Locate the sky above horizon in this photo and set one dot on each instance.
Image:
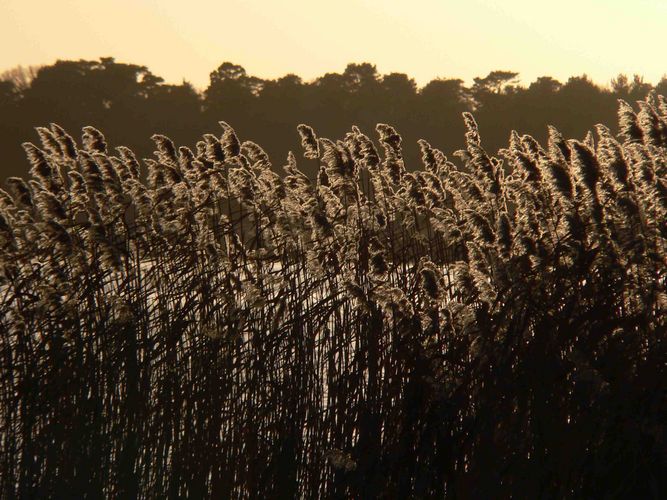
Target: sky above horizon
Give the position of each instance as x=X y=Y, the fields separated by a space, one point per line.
x=425 y=39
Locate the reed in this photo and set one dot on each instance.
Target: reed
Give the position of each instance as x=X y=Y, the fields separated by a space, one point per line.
x=203 y=326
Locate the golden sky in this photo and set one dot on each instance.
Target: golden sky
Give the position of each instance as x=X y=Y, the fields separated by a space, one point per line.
x=187 y=39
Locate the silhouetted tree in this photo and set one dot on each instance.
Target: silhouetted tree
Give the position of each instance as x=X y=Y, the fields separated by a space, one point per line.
x=362 y=86
x=131 y=103
x=282 y=105
x=20 y=76
x=544 y=86
x=175 y=110
x=399 y=93
x=630 y=90
x=534 y=107
x=494 y=83
x=661 y=87
x=9 y=94
x=582 y=104
x=231 y=89
x=494 y=96
x=441 y=102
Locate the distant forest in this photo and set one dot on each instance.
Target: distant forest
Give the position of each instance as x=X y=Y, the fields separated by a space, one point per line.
x=129 y=103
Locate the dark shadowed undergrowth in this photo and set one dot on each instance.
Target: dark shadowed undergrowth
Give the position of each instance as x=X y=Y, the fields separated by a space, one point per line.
x=199 y=325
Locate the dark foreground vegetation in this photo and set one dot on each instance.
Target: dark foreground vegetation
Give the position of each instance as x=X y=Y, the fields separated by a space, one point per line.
x=130 y=103
x=201 y=326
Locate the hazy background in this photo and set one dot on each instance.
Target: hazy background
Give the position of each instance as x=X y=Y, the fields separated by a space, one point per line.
x=423 y=38
x=134 y=68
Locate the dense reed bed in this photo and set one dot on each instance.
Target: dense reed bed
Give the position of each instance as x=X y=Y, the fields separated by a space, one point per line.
x=202 y=326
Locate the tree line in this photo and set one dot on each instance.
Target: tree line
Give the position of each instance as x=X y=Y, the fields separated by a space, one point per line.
x=129 y=103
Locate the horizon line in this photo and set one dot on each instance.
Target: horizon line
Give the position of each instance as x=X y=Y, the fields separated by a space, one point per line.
x=467 y=82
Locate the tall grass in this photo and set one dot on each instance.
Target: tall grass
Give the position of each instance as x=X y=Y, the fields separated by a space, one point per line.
x=201 y=326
